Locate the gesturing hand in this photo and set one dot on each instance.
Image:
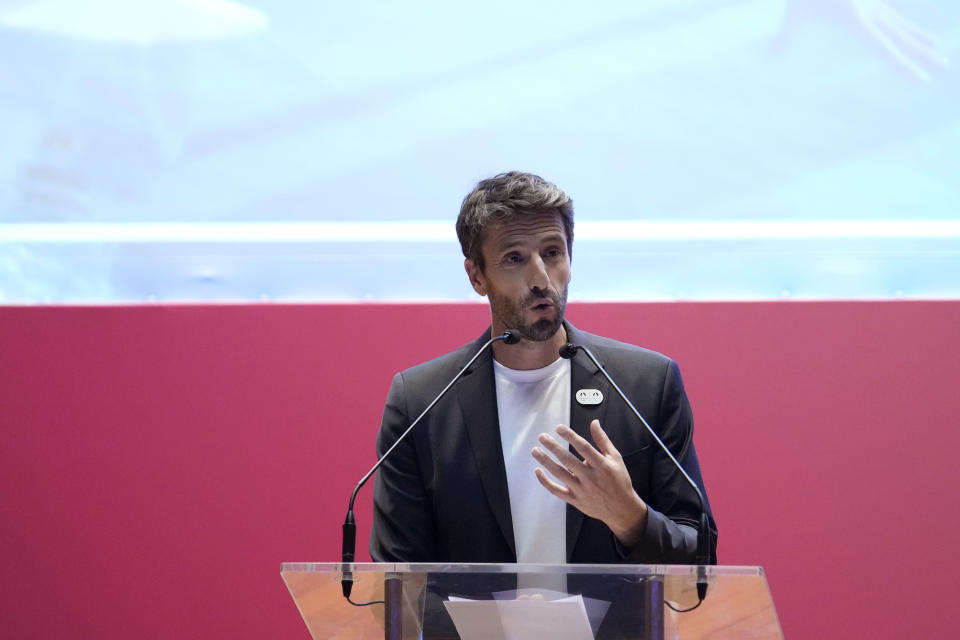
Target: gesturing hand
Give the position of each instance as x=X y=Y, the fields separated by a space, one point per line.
x=598 y=485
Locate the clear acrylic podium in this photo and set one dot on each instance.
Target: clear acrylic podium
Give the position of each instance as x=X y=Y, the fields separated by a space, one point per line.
x=441 y=601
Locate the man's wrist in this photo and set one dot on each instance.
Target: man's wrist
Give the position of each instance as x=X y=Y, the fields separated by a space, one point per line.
x=630 y=533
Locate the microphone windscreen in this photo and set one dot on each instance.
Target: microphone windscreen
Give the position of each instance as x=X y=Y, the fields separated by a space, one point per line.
x=568 y=350
x=510 y=337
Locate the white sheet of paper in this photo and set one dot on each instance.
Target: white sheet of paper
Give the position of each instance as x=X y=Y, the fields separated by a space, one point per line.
x=596 y=609
x=526 y=619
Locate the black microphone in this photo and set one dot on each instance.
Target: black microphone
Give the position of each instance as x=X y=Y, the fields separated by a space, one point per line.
x=349 y=524
x=703 y=533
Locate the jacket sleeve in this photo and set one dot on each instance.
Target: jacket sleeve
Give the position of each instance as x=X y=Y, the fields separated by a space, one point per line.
x=403 y=527
x=673 y=507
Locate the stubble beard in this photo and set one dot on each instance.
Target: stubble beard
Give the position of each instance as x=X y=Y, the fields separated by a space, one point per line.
x=540 y=330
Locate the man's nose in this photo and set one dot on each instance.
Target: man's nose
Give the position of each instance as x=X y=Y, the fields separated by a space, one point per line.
x=538 y=279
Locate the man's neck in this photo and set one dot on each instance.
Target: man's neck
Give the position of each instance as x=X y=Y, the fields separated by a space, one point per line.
x=526 y=354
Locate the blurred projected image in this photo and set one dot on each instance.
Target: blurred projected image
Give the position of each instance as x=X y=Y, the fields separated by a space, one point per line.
x=893 y=35
x=715 y=149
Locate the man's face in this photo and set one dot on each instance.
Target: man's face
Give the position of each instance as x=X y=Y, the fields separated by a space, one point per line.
x=526 y=275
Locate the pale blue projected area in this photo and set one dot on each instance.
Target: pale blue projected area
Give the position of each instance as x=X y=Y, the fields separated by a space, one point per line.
x=714 y=149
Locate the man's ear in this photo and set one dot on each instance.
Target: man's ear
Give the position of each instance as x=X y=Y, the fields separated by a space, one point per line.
x=475 y=274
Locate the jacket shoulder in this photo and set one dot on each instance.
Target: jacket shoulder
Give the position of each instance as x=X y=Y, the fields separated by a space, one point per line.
x=445 y=366
x=615 y=351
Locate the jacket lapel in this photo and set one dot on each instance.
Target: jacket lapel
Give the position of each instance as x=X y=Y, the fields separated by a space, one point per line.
x=476 y=393
x=583 y=375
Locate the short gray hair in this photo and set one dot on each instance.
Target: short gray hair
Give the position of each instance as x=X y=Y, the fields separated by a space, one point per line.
x=504 y=197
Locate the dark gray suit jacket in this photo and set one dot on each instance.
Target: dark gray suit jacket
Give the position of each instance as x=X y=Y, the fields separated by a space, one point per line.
x=442 y=495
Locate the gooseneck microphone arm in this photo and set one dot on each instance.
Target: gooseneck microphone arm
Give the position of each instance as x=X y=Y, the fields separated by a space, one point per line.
x=349 y=524
x=703 y=533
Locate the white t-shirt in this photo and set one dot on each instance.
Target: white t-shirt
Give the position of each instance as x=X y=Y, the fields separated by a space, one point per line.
x=530 y=403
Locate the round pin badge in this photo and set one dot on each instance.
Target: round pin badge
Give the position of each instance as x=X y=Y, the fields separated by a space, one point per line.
x=589 y=396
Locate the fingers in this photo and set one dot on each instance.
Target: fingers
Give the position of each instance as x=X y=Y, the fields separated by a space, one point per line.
x=559 y=470
x=559 y=450
x=563 y=465
x=604 y=444
x=590 y=455
x=595 y=455
x=580 y=444
x=552 y=486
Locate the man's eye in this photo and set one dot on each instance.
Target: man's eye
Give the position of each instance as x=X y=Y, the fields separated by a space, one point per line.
x=513 y=258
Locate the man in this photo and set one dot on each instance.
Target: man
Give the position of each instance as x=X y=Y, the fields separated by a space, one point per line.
x=513 y=464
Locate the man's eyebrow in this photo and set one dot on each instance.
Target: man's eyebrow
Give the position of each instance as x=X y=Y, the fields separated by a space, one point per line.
x=557 y=238
x=554 y=238
x=508 y=245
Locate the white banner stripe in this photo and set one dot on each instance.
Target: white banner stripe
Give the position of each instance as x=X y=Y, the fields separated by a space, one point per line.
x=424 y=231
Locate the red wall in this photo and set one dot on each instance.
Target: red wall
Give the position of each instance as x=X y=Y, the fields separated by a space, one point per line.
x=159 y=463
